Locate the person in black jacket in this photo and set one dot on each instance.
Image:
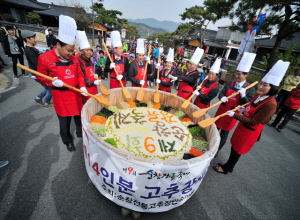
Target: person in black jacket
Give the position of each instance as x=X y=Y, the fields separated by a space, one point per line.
x=32 y=55
x=51 y=39
x=13 y=47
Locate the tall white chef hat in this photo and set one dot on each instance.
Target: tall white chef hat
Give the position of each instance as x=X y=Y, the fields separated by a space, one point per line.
x=197 y=56
x=216 y=66
x=246 y=62
x=140 y=46
x=276 y=73
x=82 y=40
x=67 y=29
x=170 y=57
x=116 y=39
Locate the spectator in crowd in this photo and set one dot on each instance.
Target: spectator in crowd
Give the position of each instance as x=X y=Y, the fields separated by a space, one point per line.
x=32 y=55
x=47 y=30
x=100 y=66
x=13 y=47
x=17 y=31
x=132 y=57
x=223 y=62
x=213 y=59
x=51 y=39
x=291 y=105
x=290 y=83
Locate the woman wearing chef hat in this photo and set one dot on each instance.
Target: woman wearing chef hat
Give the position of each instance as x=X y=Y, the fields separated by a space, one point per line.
x=256 y=114
x=59 y=63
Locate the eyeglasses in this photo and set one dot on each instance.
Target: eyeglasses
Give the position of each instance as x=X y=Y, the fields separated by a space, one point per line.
x=239 y=74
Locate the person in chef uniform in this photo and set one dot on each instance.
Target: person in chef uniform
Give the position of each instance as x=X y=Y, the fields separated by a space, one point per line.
x=209 y=88
x=255 y=115
x=90 y=79
x=59 y=63
x=119 y=62
x=226 y=124
x=188 y=80
x=137 y=67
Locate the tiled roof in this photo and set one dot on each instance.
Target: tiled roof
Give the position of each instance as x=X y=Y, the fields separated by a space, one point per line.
x=25 y=4
x=269 y=43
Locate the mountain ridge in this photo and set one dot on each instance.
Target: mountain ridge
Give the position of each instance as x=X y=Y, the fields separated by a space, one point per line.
x=169 y=26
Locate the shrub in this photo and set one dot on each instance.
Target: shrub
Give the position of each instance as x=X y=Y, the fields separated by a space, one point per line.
x=8 y=17
x=34 y=18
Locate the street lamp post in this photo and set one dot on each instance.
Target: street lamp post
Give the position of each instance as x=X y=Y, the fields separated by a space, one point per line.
x=93 y=39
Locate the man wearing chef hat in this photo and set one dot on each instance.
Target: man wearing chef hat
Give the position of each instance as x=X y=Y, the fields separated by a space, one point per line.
x=137 y=67
x=188 y=80
x=210 y=86
x=226 y=123
x=255 y=115
x=164 y=80
x=87 y=67
x=120 y=62
x=59 y=63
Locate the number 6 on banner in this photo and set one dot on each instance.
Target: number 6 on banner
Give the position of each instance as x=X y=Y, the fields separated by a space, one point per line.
x=149 y=146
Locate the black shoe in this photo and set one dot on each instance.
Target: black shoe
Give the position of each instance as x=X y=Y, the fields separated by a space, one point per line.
x=278 y=129
x=4 y=64
x=221 y=164
x=70 y=147
x=79 y=135
x=216 y=168
x=271 y=124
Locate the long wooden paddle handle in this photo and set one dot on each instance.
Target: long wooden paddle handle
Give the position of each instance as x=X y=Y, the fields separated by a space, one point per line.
x=236 y=93
x=51 y=79
x=157 y=77
x=233 y=110
x=199 y=87
x=145 y=71
x=108 y=54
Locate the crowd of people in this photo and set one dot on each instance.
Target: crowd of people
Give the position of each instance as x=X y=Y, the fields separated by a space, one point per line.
x=124 y=63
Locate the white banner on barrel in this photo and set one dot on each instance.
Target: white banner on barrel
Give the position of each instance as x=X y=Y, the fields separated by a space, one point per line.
x=140 y=186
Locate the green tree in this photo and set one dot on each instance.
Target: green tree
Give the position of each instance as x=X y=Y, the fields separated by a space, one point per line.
x=199 y=17
x=34 y=18
x=166 y=38
x=283 y=15
x=78 y=12
x=131 y=31
x=108 y=16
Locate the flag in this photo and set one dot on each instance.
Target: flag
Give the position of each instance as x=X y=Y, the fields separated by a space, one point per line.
x=123 y=31
x=206 y=49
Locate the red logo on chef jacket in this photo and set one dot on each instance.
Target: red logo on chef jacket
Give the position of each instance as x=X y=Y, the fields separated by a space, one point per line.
x=247 y=110
x=118 y=68
x=202 y=90
x=92 y=72
x=68 y=71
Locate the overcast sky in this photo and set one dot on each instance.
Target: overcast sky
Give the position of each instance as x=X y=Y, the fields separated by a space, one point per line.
x=158 y=9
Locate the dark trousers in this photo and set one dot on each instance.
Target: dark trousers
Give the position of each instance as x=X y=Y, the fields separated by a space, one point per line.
x=282 y=96
x=64 y=126
x=2 y=61
x=233 y=159
x=285 y=112
x=15 y=58
x=223 y=135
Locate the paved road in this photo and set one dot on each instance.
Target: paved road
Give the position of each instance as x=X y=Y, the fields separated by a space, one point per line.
x=45 y=181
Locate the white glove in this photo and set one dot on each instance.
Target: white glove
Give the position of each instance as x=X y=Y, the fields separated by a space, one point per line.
x=158 y=81
x=112 y=65
x=242 y=109
x=147 y=59
x=230 y=113
x=142 y=82
x=119 y=77
x=198 y=87
x=157 y=65
x=57 y=82
x=33 y=77
x=242 y=91
x=96 y=76
x=173 y=78
x=224 y=99
x=83 y=89
x=196 y=92
x=97 y=82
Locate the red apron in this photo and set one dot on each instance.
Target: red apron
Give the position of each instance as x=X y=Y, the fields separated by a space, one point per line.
x=67 y=102
x=205 y=91
x=165 y=78
x=227 y=123
x=89 y=74
x=120 y=67
x=245 y=136
x=184 y=90
x=140 y=74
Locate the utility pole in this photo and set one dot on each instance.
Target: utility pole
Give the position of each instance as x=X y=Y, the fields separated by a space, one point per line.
x=93 y=39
